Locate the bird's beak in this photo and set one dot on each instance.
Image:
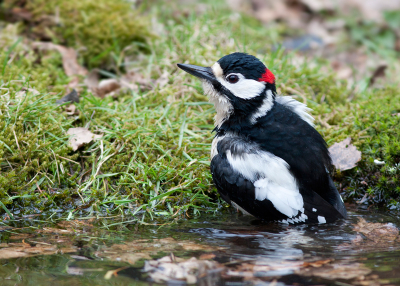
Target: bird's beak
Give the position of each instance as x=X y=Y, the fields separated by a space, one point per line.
x=200 y=72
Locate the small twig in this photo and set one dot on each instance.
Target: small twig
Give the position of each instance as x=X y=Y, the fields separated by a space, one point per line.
x=68 y=159
x=39 y=188
x=16 y=140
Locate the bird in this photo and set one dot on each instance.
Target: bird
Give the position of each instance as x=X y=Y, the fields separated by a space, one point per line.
x=267 y=159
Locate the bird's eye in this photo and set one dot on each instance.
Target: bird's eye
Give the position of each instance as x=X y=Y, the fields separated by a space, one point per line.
x=232 y=78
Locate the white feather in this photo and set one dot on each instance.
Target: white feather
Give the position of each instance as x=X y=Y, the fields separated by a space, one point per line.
x=222 y=105
x=272 y=180
x=214 y=144
x=297 y=107
x=321 y=219
x=264 y=108
x=287 y=201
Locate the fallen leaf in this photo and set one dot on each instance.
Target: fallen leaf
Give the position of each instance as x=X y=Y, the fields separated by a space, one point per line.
x=103 y=87
x=372 y=236
x=135 y=81
x=69 y=58
x=70 y=97
x=133 y=251
x=337 y=271
x=92 y=80
x=71 y=109
x=377 y=232
x=16 y=250
x=80 y=136
x=107 y=86
x=6 y=253
x=344 y=155
x=170 y=268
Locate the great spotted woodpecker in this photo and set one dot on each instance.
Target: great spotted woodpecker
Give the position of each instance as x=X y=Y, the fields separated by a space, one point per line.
x=266 y=156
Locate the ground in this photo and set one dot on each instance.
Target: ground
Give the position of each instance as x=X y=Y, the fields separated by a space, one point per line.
x=152 y=160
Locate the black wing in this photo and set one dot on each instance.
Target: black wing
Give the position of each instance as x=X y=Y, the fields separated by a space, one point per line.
x=284 y=134
x=233 y=187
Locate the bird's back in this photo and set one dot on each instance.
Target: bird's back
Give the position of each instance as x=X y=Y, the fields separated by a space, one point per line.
x=284 y=134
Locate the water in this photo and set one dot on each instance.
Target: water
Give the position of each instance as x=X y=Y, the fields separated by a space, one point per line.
x=252 y=253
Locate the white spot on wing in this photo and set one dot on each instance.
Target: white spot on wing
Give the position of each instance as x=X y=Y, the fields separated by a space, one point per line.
x=297 y=107
x=272 y=180
x=321 y=219
x=314 y=209
x=287 y=201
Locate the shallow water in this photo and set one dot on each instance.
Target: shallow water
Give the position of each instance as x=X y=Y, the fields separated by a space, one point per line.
x=276 y=254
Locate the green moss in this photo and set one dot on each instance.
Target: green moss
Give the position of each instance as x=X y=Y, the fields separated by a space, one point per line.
x=102 y=31
x=153 y=158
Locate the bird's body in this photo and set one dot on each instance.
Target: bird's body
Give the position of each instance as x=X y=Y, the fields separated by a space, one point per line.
x=266 y=157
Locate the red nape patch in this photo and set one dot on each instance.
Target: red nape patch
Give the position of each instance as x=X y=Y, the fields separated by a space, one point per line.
x=268 y=76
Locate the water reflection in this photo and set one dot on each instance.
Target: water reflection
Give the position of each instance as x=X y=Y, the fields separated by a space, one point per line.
x=248 y=247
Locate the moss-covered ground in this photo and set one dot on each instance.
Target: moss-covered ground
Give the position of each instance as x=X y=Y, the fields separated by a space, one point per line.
x=153 y=159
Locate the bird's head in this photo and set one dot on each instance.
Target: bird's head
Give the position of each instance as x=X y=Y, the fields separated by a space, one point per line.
x=238 y=84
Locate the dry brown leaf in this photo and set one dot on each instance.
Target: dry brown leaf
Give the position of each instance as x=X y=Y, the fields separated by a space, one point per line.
x=16 y=250
x=135 y=81
x=8 y=253
x=80 y=136
x=133 y=251
x=107 y=86
x=69 y=58
x=344 y=155
x=377 y=232
x=373 y=236
x=337 y=271
x=92 y=80
x=171 y=268
x=103 y=87
x=71 y=110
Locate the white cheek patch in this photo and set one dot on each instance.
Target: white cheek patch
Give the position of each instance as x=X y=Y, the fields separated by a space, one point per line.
x=272 y=180
x=244 y=88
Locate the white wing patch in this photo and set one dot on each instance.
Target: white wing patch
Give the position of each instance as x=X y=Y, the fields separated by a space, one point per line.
x=297 y=107
x=287 y=201
x=272 y=181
